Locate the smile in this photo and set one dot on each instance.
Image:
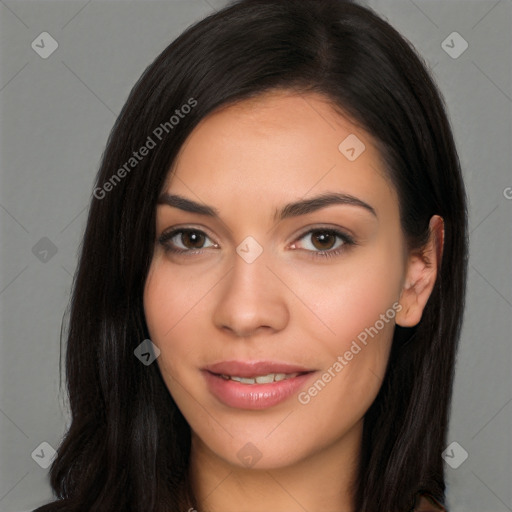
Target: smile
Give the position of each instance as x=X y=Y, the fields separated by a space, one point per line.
x=261 y=379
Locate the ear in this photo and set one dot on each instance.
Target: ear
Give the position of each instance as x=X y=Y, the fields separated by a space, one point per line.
x=421 y=274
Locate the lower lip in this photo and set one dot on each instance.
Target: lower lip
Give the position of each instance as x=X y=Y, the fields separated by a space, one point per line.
x=253 y=396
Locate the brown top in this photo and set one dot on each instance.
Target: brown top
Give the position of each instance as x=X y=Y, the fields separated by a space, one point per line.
x=425 y=503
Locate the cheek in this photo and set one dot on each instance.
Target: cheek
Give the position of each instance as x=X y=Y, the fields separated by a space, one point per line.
x=347 y=300
x=176 y=302
x=172 y=296
x=170 y=300
x=354 y=361
x=357 y=308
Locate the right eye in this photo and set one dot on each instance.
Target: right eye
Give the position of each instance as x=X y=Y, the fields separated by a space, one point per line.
x=185 y=241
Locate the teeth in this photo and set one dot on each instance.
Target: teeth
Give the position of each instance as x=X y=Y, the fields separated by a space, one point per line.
x=261 y=379
x=266 y=379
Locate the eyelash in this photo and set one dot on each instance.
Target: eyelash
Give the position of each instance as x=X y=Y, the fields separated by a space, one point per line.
x=329 y=253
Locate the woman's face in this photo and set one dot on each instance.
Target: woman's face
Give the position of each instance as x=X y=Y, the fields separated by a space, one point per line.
x=254 y=276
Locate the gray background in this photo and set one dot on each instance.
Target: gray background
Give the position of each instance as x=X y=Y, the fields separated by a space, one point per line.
x=56 y=114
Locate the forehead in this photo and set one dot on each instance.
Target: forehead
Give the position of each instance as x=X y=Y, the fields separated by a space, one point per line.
x=279 y=146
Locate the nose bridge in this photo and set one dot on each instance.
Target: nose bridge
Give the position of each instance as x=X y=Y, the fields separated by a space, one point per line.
x=250 y=273
x=251 y=296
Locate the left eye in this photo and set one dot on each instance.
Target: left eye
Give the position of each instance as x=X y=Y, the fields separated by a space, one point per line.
x=324 y=240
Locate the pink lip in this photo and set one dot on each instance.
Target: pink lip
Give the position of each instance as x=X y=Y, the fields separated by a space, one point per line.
x=253 y=396
x=254 y=368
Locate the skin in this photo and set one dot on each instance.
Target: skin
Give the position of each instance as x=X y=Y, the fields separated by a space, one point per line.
x=288 y=305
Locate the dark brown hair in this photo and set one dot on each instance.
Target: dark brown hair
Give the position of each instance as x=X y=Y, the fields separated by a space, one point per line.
x=128 y=445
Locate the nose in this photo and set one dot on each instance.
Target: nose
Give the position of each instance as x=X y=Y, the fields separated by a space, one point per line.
x=251 y=300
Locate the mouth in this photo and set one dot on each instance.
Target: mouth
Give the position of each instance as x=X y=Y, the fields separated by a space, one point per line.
x=262 y=379
x=256 y=369
x=254 y=384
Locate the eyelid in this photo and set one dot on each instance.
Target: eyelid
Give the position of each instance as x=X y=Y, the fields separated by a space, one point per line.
x=185 y=227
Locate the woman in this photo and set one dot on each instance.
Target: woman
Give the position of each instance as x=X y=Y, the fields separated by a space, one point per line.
x=271 y=285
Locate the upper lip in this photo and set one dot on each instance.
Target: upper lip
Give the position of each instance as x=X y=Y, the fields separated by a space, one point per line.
x=250 y=369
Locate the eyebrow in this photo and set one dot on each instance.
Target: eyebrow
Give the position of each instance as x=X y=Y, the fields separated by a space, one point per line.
x=295 y=209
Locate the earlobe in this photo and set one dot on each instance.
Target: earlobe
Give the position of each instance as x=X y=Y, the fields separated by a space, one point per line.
x=421 y=274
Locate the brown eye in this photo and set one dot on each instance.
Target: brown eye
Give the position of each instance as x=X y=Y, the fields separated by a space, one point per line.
x=192 y=239
x=185 y=240
x=323 y=240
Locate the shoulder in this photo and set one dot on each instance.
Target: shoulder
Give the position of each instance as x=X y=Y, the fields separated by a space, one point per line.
x=425 y=503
